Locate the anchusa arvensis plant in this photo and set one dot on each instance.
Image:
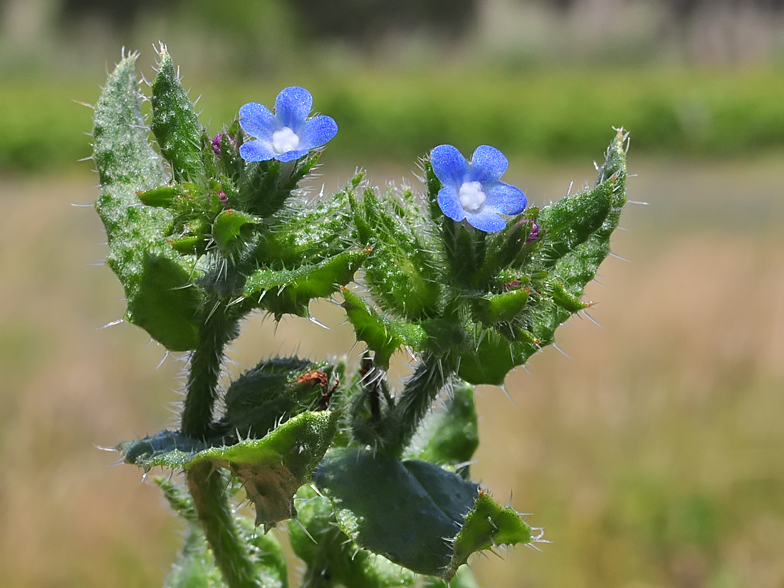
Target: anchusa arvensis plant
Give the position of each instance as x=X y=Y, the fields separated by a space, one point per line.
x=203 y=231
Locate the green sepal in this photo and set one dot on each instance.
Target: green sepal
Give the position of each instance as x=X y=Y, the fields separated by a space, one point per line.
x=271 y=393
x=466 y=250
x=495 y=308
x=411 y=512
x=157 y=280
x=229 y=227
x=265 y=186
x=162 y=197
x=449 y=437
x=332 y=557
x=175 y=123
x=290 y=291
x=194 y=245
x=383 y=336
x=271 y=468
x=229 y=158
x=195 y=566
x=434 y=185
x=510 y=247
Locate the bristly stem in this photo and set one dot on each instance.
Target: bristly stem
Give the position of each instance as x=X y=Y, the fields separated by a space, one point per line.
x=202 y=390
x=429 y=378
x=208 y=489
x=206 y=486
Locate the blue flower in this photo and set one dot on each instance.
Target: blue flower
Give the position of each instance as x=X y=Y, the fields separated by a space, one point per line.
x=285 y=135
x=472 y=191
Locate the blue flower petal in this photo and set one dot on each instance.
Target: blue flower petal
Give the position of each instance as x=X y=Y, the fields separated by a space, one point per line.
x=317 y=131
x=292 y=107
x=486 y=220
x=257 y=121
x=450 y=204
x=291 y=155
x=487 y=164
x=257 y=151
x=449 y=165
x=505 y=199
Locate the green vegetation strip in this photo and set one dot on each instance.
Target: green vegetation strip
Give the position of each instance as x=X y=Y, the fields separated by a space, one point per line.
x=557 y=114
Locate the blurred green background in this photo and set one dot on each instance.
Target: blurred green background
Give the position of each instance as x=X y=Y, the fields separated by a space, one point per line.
x=652 y=454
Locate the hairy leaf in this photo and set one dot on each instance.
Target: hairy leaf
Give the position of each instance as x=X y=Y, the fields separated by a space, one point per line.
x=384 y=336
x=414 y=513
x=155 y=278
x=289 y=291
x=271 y=469
x=175 y=123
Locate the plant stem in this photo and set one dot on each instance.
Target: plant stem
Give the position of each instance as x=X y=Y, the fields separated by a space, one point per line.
x=208 y=489
x=206 y=486
x=202 y=388
x=419 y=393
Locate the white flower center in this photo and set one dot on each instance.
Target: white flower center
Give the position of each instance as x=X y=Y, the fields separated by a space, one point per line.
x=285 y=140
x=471 y=196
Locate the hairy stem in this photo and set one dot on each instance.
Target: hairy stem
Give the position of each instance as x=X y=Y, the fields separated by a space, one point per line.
x=430 y=376
x=208 y=489
x=202 y=389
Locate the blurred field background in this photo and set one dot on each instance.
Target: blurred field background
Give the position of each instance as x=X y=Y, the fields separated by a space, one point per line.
x=653 y=455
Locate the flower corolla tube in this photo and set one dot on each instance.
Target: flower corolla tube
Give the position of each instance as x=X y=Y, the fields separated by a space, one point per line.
x=288 y=134
x=473 y=191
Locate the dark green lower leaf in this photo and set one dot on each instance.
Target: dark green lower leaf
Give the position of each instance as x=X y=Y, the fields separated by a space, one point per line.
x=413 y=513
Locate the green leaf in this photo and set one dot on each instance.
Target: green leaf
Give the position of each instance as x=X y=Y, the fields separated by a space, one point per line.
x=401 y=270
x=166 y=303
x=486 y=526
x=289 y=291
x=162 y=197
x=228 y=227
x=495 y=308
x=410 y=512
x=309 y=234
x=449 y=437
x=488 y=357
x=571 y=221
x=156 y=279
x=332 y=557
x=383 y=335
x=271 y=469
x=175 y=123
x=170 y=449
x=271 y=393
x=195 y=566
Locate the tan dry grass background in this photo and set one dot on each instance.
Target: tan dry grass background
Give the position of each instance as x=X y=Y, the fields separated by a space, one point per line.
x=653 y=457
